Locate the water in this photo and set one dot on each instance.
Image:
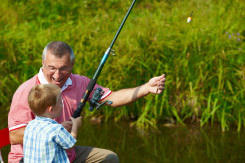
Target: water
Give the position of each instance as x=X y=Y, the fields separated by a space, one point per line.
x=169 y=144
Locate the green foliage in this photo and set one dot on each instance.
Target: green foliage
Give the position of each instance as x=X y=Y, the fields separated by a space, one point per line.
x=203 y=61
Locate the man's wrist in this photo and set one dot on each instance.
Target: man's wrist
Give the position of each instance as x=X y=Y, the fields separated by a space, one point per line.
x=145 y=89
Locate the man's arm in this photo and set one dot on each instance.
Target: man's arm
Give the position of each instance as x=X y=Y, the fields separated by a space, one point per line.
x=129 y=95
x=16 y=136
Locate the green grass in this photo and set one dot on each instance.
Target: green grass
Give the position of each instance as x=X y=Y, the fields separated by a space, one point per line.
x=203 y=61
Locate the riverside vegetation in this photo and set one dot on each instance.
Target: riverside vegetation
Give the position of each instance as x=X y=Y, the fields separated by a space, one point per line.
x=204 y=61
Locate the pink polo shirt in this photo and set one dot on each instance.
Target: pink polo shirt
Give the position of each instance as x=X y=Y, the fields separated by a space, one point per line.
x=20 y=113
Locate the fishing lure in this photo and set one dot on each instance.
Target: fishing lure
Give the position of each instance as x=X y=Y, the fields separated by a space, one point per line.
x=189 y=18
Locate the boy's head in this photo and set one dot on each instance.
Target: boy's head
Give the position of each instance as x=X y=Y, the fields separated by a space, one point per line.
x=45 y=97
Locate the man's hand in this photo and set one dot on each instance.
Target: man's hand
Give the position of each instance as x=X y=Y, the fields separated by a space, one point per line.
x=156 y=84
x=67 y=125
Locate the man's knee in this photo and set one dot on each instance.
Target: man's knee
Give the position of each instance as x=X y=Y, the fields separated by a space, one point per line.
x=111 y=158
x=92 y=154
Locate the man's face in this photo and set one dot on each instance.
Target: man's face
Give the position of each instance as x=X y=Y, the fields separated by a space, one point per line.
x=57 y=70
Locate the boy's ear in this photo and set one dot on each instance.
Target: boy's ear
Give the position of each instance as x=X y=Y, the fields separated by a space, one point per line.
x=50 y=109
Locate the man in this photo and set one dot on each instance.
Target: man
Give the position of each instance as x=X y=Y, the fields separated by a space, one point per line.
x=57 y=60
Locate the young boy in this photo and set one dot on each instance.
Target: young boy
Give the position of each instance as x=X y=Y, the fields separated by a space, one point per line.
x=45 y=140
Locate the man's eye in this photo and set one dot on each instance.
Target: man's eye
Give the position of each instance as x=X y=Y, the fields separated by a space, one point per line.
x=52 y=68
x=63 y=69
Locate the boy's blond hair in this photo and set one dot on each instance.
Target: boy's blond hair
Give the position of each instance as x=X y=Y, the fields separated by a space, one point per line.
x=43 y=96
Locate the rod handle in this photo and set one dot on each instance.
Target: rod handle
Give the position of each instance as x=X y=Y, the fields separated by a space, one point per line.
x=81 y=104
x=79 y=109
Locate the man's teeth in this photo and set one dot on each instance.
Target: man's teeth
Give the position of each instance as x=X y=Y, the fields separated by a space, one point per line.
x=56 y=80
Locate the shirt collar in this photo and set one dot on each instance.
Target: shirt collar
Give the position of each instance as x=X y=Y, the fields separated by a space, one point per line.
x=45 y=119
x=42 y=80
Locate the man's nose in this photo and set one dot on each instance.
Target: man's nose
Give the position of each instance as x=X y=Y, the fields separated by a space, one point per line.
x=57 y=74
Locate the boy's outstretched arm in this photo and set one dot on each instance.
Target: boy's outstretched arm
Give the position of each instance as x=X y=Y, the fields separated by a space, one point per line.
x=76 y=123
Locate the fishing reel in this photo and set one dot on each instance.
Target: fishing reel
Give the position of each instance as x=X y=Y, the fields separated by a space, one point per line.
x=94 y=102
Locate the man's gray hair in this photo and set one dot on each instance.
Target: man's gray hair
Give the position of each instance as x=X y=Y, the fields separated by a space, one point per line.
x=58 y=49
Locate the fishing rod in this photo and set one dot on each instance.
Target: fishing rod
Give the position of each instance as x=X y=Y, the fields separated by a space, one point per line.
x=98 y=92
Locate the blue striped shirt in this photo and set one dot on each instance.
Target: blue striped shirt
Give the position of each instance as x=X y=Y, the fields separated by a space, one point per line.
x=45 y=140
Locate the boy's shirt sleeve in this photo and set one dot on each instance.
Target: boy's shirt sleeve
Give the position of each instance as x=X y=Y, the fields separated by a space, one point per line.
x=65 y=139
